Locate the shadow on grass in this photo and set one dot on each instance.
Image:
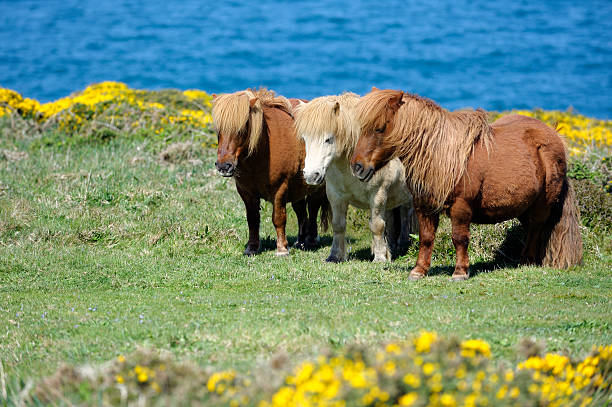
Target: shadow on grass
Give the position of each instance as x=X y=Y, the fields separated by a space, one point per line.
x=365 y=253
x=268 y=243
x=507 y=255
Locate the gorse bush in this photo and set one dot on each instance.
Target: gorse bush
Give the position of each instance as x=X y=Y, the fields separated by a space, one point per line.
x=595 y=206
x=426 y=371
x=105 y=110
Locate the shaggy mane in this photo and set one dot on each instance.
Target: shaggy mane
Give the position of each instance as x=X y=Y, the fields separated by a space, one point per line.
x=234 y=117
x=318 y=118
x=433 y=144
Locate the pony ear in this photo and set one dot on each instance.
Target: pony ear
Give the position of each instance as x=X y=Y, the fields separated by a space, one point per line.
x=396 y=101
x=252 y=102
x=336 y=108
x=374 y=89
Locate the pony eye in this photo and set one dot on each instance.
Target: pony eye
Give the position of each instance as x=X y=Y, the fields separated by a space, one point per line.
x=380 y=130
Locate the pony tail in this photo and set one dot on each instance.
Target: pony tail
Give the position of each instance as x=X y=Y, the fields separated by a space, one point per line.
x=563 y=248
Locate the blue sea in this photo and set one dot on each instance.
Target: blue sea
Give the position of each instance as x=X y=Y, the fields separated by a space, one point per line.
x=495 y=55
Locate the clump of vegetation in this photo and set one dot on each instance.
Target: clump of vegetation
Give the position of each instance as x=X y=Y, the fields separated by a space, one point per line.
x=107 y=110
x=595 y=206
x=426 y=371
x=181 y=152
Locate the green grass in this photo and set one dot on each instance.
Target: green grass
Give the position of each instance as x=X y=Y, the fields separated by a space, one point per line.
x=104 y=248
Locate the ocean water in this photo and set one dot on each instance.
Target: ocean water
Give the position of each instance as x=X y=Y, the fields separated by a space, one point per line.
x=495 y=55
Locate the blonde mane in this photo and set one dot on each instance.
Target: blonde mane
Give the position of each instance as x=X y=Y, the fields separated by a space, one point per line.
x=234 y=116
x=433 y=144
x=319 y=117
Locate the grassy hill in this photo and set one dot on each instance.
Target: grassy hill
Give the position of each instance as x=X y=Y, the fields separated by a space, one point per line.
x=116 y=233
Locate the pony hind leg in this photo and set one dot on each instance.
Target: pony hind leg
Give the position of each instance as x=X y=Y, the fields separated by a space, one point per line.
x=299 y=208
x=380 y=249
x=410 y=223
x=314 y=202
x=535 y=220
x=428 y=224
x=251 y=204
x=338 y=251
x=393 y=228
x=461 y=216
x=279 y=219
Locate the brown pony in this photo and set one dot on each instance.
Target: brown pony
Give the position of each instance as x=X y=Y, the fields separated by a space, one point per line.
x=475 y=172
x=259 y=147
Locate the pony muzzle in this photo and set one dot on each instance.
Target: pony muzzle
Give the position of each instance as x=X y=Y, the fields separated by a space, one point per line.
x=313 y=177
x=362 y=173
x=226 y=169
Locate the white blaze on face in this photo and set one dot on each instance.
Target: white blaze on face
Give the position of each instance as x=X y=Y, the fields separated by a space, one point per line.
x=319 y=153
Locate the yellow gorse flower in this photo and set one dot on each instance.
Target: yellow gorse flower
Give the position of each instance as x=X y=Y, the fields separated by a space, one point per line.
x=473 y=347
x=424 y=341
x=102 y=102
x=218 y=382
x=581 y=132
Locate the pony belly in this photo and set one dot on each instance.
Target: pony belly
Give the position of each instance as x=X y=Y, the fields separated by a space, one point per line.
x=500 y=208
x=342 y=186
x=340 y=193
x=509 y=186
x=492 y=216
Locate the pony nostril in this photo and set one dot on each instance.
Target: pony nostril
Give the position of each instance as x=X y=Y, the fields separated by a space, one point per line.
x=224 y=167
x=357 y=168
x=316 y=175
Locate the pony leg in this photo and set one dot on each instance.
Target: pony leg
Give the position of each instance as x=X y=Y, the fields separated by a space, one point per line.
x=279 y=219
x=377 y=226
x=393 y=227
x=536 y=221
x=338 y=250
x=252 y=211
x=428 y=224
x=410 y=223
x=532 y=243
x=461 y=216
x=300 y=211
x=314 y=202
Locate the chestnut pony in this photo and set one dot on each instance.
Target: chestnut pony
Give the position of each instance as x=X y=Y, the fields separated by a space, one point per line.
x=476 y=172
x=259 y=147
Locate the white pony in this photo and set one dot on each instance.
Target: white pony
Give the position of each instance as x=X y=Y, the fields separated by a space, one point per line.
x=329 y=128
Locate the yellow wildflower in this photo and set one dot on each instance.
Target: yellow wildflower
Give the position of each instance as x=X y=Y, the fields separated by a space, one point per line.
x=423 y=342
x=408 y=399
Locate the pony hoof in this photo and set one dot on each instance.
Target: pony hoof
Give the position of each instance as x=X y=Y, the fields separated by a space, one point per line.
x=311 y=243
x=380 y=260
x=282 y=253
x=332 y=259
x=460 y=277
x=415 y=275
x=300 y=246
x=250 y=252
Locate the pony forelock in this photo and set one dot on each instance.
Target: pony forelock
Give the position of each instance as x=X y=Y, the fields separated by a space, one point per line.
x=330 y=115
x=234 y=115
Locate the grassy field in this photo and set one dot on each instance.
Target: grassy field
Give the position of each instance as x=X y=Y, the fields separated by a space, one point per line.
x=113 y=243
